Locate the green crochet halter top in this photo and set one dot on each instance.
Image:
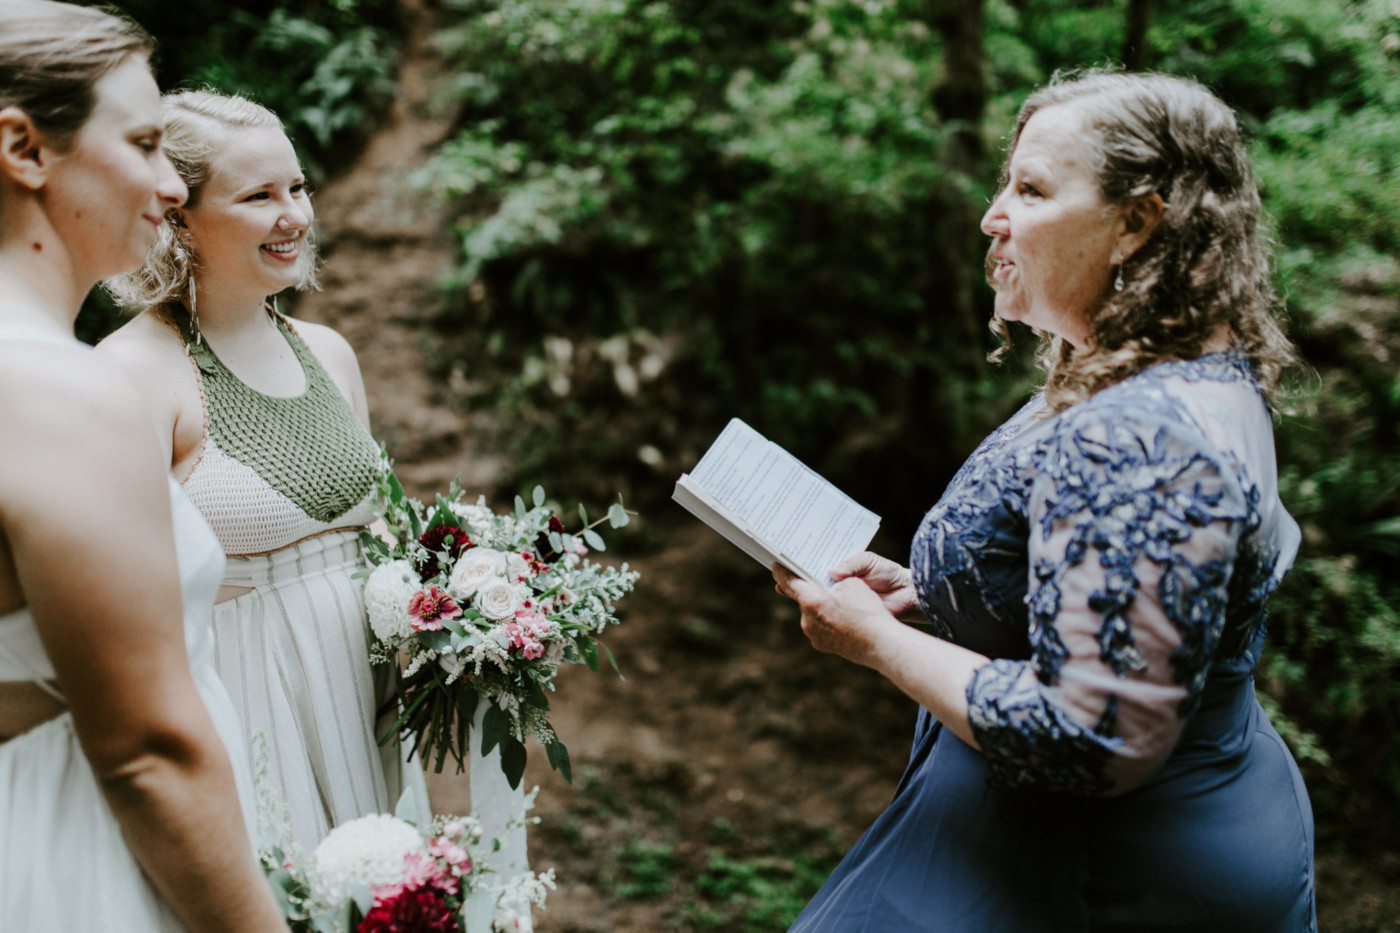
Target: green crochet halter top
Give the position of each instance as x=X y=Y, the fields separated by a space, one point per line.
x=311 y=447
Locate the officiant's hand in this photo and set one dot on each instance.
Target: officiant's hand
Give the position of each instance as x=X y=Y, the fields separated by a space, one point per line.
x=890 y=581
x=850 y=619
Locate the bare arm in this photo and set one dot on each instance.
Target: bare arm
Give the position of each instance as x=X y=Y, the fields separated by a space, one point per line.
x=85 y=507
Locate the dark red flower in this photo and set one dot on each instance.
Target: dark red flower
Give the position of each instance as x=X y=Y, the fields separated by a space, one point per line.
x=435 y=540
x=542 y=545
x=421 y=911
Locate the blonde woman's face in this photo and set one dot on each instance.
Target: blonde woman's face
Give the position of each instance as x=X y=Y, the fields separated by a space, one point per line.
x=250 y=223
x=1053 y=235
x=108 y=192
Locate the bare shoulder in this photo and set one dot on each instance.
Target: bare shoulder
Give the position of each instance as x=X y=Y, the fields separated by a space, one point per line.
x=334 y=352
x=68 y=398
x=327 y=343
x=143 y=341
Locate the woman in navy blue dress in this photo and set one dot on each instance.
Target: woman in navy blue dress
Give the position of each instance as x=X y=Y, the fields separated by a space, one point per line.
x=1089 y=753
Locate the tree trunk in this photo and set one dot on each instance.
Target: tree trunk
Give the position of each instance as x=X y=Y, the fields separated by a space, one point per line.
x=960 y=97
x=1135 y=34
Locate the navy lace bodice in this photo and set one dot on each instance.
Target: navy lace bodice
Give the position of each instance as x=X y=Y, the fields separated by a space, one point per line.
x=1112 y=559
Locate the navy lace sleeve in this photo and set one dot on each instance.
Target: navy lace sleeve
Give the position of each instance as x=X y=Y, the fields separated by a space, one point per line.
x=1134 y=522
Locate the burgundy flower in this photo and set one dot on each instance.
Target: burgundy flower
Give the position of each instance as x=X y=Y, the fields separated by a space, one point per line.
x=429 y=606
x=542 y=545
x=435 y=540
x=421 y=911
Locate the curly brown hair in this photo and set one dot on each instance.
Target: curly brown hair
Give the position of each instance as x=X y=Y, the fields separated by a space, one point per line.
x=1204 y=265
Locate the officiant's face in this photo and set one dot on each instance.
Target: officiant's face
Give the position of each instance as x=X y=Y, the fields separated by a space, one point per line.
x=249 y=224
x=1053 y=234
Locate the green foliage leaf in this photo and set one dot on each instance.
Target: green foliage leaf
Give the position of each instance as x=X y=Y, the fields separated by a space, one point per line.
x=513 y=760
x=594 y=540
x=559 y=759
x=495 y=729
x=538 y=497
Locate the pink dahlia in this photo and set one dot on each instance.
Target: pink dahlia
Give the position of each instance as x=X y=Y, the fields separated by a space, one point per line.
x=429 y=606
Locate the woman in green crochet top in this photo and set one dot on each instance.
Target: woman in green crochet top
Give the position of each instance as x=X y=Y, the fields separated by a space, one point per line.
x=266 y=426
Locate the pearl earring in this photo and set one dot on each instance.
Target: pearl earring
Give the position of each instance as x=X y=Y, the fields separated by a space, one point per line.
x=1118 y=282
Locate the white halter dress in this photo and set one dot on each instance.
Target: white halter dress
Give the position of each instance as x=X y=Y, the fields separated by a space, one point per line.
x=64 y=864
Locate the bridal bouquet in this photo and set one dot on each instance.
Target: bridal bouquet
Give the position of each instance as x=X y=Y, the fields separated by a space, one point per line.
x=484 y=607
x=383 y=874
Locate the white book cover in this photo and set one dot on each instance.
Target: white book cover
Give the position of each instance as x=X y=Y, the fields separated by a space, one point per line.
x=773 y=507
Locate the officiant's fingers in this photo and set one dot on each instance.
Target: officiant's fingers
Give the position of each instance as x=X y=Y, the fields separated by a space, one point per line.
x=857 y=565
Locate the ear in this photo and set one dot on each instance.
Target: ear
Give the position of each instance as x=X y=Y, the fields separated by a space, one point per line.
x=1140 y=218
x=24 y=155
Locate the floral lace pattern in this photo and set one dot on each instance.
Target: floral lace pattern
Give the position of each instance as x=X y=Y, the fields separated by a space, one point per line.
x=1108 y=558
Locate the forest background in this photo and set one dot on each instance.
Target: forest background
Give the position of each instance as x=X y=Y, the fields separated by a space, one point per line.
x=665 y=213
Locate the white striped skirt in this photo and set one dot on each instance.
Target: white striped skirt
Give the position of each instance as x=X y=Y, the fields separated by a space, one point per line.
x=294 y=654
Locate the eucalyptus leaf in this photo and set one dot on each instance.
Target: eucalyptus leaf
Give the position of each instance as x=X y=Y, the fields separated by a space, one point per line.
x=519 y=507
x=594 y=540
x=407 y=807
x=538 y=496
x=617 y=516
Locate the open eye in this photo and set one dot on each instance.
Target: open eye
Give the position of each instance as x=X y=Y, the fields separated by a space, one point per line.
x=1028 y=189
x=257 y=196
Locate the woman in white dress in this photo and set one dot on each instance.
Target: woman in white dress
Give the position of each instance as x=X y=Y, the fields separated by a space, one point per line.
x=119 y=807
x=265 y=424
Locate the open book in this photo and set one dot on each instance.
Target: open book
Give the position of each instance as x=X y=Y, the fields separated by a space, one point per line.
x=765 y=501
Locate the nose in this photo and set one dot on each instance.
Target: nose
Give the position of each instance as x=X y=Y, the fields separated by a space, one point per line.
x=994 y=223
x=170 y=187
x=294 y=217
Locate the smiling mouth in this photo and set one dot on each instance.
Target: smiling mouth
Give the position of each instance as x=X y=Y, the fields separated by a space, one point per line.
x=281 y=249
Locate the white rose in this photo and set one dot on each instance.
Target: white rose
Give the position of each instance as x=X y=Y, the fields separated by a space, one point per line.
x=497 y=600
x=473 y=568
x=387 y=593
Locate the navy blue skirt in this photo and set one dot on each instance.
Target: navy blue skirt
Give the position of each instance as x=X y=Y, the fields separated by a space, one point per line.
x=1220 y=839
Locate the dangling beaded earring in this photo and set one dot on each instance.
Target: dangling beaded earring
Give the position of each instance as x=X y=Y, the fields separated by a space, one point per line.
x=194 y=315
x=1118 y=282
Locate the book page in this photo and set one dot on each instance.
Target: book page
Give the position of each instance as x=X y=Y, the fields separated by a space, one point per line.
x=793 y=510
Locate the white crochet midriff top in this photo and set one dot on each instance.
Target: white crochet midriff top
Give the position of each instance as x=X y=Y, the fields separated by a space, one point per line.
x=275 y=470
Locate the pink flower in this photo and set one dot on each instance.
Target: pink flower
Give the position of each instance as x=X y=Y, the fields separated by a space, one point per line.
x=429 y=606
x=451 y=853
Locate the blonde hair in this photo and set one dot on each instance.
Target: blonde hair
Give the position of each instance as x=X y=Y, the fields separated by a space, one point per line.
x=52 y=55
x=195 y=123
x=1205 y=264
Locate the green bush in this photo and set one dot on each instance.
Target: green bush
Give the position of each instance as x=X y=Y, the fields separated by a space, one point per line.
x=758 y=183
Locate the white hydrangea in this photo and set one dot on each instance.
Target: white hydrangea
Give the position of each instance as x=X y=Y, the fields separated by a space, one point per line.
x=387 y=593
x=368 y=851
